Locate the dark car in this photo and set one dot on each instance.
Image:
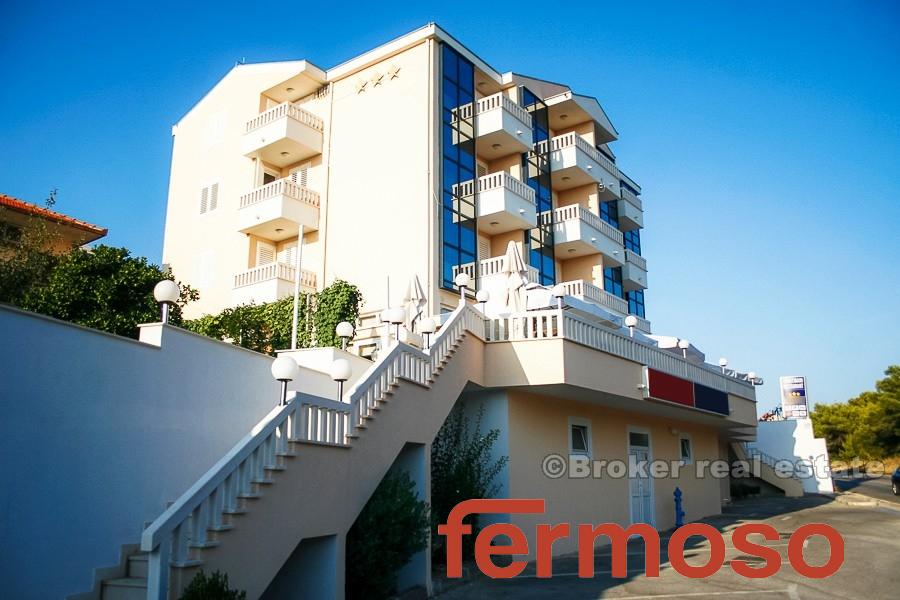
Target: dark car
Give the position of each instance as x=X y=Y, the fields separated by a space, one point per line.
x=895 y=482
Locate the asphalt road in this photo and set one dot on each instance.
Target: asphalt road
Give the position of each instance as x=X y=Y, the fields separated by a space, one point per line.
x=879 y=488
x=870 y=569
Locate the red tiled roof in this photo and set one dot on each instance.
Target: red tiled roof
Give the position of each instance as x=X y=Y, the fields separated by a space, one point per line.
x=51 y=215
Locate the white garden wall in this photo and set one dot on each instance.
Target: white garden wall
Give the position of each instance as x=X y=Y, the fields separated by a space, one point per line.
x=98 y=432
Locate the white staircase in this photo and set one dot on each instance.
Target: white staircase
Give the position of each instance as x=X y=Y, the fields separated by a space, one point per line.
x=765 y=464
x=306 y=470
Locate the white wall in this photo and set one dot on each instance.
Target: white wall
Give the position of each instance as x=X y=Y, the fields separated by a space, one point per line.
x=99 y=432
x=794 y=440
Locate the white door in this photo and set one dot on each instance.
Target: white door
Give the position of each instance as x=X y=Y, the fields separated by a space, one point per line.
x=640 y=485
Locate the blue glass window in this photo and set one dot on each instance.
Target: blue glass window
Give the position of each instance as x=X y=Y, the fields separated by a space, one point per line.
x=636 y=303
x=633 y=240
x=609 y=212
x=612 y=281
x=536 y=167
x=458 y=227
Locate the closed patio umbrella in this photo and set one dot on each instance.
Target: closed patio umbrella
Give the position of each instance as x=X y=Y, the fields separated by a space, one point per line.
x=516 y=278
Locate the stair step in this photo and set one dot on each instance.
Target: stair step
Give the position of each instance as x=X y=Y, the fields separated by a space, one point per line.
x=124 y=588
x=274 y=467
x=207 y=544
x=249 y=495
x=222 y=527
x=137 y=565
x=286 y=454
x=234 y=511
x=315 y=443
x=187 y=564
x=262 y=481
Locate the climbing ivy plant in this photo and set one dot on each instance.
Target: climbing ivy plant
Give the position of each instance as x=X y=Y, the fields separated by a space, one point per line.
x=267 y=327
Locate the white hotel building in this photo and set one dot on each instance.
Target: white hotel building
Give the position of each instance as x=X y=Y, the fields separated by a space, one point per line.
x=415 y=159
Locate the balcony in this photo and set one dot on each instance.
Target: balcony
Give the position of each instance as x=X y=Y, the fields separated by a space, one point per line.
x=270 y=282
x=275 y=211
x=504 y=204
x=490 y=267
x=283 y=135
x=584 y=290
x=574 y=162
x=502 y=126
x=634 y=272
x=631 y=211
x=579 y=232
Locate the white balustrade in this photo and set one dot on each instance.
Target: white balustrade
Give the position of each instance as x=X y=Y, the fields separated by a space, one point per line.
x=285 y=109
x=281 y=186
x=274 y=270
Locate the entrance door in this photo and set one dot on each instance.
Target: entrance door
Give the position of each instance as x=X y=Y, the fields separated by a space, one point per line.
x=640 y=485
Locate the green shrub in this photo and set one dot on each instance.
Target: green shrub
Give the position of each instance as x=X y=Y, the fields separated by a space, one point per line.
x=104 y=288
x=211 y=587
x=462 y=468
x=267 y=327
x=390 y=529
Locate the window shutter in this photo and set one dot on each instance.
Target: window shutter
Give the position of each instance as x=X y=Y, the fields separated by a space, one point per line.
x=481 y=169
x=289 y=255
x=265 y=253
x=300 y=175
x=213 y=196
x=204 y=200
x=484 y=249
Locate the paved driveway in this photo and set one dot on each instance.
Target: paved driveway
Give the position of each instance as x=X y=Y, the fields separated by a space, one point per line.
x=871 y=569
x=875 y=487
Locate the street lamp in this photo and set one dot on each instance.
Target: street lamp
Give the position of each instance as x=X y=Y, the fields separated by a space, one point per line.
x=166 y=293
x=344 y=330
x=340 y=371
x=723 y=362
x=482 y=297
x=558 y=292
x=284 y=369
x=462 y=281
x=395 y=317
x=684 y=345
x=631 y=322
x=427 y=326
x=385 y=317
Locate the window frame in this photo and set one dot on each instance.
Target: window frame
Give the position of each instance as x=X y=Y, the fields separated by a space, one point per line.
x=586 y=424
x=686 y=437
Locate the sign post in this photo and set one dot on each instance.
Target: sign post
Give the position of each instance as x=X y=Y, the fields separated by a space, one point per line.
x=794 y=404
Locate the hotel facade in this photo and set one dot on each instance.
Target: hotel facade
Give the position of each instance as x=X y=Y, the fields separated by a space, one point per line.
x=414 y=162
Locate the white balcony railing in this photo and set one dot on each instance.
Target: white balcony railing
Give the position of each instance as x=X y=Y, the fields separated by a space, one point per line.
x=573 y=139
x=493 y=266
x=629 y=197
x=588 y=291
x=275 y=270
x=507 y=181
x=501 y=100
x=285 y=109
x=282 y=186
x=577 y=211
x=549 y=324
x=494 y=101
x=636 y=259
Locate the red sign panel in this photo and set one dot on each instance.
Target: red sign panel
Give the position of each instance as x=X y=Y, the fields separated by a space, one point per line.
x=670 y=388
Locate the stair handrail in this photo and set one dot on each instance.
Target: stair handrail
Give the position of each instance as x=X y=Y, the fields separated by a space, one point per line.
x=185 y=523
x=411 y=364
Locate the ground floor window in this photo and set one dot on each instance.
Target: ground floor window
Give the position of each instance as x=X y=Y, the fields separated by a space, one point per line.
x=579 y=436
x=686 y=448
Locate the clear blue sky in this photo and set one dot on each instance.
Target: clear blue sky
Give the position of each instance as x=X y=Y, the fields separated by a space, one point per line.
x=766 y=137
